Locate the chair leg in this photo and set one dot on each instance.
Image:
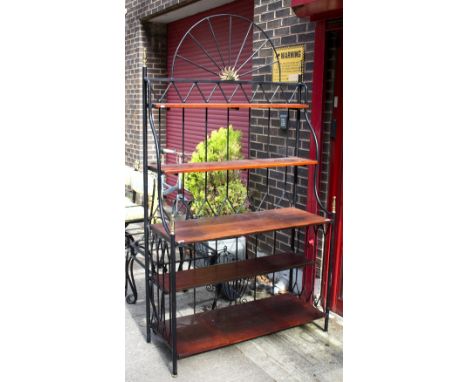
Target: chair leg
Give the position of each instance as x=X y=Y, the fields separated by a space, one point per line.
x=129 y=277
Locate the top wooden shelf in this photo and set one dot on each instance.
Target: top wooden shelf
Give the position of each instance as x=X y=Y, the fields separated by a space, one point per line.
x=242 y=164
x=204 y=105
x=247 y=223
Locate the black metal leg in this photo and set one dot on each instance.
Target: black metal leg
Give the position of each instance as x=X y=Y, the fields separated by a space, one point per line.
x=173 y=307
x=145 y=204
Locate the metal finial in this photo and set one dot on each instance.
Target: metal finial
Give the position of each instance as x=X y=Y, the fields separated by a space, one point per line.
x=334 y=205
x=144 y=57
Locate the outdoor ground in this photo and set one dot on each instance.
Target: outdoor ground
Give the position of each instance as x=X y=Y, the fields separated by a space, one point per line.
x=304 y=353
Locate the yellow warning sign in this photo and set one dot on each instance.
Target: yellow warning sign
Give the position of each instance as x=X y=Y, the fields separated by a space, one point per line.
x=291 y=59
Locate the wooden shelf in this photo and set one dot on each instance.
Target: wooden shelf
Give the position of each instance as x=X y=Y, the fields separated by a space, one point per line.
x=247 y=223
x=219 y=273
x=242 y=164
x=214 y=329
x=203 y=105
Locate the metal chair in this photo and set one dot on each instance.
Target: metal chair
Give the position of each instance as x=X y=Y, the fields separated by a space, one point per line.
x=134 y=217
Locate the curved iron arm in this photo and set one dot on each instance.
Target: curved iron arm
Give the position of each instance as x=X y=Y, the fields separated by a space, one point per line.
x=208 y=18
x=309 y=124
x=158 y=160
x=322 y=207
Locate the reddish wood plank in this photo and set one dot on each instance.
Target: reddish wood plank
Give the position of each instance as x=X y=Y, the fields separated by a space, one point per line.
x=222 y=327
x=202 y=105
x=242 y=164
x=218 y=273
x=247 y=223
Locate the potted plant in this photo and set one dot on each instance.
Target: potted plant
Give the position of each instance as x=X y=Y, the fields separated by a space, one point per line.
x=213 y=200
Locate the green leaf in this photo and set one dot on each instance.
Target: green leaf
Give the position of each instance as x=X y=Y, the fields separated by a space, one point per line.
x=217 y=180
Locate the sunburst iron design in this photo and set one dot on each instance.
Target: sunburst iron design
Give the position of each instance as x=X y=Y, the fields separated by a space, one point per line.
x=228 y=73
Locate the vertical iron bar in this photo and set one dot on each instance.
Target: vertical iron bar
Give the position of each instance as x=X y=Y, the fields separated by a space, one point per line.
x=236 y=282
x=173 y=299
x=183 y=153
x=269 y=156
x=145 y=197
x=274 y=253
x=331 y=264
x=286 y=149
x=159 y=125
x=217 y=286
x=206 y=153
x=193 y=255
x=296 y=152
x=248 y=156
x=286 y=141
x=230 y=38
x=255 y=277
x=227 y=156
x=293 y=249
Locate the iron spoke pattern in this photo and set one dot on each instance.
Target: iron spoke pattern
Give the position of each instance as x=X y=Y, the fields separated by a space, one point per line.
x=220 y=47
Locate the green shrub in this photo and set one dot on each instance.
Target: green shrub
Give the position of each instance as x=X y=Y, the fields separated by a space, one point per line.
x=217 y=180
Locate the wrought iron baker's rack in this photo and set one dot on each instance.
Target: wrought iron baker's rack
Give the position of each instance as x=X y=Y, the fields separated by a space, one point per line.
x=160 y=241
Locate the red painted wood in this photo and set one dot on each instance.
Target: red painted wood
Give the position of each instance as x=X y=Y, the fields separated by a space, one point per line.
x=336 y=185
x=219 y=273
x=214 y=329
x=247 y=223
x=243 y=164
x=317 y=9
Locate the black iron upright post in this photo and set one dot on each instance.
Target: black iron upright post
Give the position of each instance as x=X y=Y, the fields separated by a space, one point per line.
x=331 y=264
x=173 y=298
x=145 y=195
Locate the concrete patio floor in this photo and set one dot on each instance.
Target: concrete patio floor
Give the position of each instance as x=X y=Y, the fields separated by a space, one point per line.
x=303 y=353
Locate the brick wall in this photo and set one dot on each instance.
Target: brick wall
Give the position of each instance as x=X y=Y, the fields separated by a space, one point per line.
x=140 y=34
x=281 y=25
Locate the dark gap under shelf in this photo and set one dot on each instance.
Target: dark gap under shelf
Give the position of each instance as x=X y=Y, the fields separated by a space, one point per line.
x=219 y=273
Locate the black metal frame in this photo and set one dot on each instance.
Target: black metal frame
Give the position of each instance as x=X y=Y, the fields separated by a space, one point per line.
x=160 y=253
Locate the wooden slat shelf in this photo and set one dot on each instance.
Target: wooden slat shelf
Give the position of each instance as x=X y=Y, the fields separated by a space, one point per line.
x=203 y=105
x=247 y=223
x=214 y=329
x=242 y=164
x=219 y=273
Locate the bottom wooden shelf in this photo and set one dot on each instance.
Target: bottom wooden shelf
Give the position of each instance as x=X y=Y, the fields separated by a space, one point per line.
x=214 y=329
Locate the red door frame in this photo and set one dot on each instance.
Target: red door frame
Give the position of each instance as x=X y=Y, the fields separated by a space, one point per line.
x=317 y=119
x=335 y=187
